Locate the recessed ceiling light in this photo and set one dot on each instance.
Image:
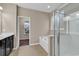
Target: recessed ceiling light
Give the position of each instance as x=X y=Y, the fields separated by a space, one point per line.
x=1 y=8
x=48 y=6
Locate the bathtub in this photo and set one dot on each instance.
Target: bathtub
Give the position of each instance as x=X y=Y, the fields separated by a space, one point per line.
x=44 y=42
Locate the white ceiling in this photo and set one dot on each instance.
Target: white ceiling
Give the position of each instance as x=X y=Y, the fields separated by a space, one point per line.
x=40 y=6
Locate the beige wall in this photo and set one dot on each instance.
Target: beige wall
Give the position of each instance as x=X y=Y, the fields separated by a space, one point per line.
x=51 y=23
x=39 y=23
x=9 y=19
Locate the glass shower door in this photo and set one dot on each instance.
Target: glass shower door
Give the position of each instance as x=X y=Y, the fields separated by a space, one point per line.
x=69 y=35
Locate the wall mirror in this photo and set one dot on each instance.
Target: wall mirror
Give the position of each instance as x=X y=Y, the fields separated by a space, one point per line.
x=1 y=19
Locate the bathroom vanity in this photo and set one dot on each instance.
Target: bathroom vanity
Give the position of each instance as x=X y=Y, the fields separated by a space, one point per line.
x=6 y=43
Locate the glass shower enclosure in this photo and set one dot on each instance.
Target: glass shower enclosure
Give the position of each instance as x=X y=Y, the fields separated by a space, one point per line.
x=66 y=34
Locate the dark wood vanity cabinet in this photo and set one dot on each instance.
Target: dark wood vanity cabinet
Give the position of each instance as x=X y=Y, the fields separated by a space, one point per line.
x=6 y=45
x=2 y=47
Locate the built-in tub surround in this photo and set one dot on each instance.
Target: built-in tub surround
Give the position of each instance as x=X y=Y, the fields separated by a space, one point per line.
x=45 y=42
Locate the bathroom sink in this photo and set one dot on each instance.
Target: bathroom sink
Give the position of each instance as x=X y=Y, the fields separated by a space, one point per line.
x=5 y=34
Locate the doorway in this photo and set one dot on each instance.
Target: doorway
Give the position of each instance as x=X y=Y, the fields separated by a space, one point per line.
x=23 y=27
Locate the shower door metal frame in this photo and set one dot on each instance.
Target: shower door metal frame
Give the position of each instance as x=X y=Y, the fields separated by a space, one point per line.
x=58 y=35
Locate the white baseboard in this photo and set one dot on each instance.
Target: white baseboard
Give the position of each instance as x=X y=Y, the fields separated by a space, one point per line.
x=35 y=44
x=16 y=48
x=30 y=45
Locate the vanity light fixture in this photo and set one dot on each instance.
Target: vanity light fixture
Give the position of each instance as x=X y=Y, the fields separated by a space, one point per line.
x=1 y=8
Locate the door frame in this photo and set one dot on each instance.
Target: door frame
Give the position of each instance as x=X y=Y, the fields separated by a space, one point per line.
x=18 y=30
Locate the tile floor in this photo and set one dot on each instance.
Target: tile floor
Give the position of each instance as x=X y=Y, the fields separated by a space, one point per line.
x=24 y=42
x=33 y=50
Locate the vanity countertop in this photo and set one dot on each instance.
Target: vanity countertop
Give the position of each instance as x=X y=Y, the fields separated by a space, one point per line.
x=5 y=35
